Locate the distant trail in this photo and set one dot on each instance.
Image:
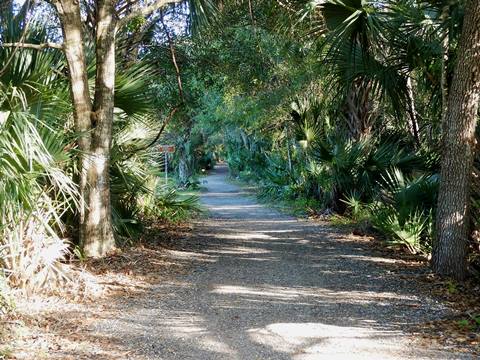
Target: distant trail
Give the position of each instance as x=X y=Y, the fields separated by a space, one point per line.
x=267 y=286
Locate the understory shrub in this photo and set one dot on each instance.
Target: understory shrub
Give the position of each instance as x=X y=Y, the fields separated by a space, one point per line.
x=404 y=210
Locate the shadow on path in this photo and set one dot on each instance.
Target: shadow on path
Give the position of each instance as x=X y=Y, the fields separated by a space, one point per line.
x=269 y=286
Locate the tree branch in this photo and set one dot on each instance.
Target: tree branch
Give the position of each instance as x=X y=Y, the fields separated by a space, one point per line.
x=123 y=8
x=145 y=11
x=160 y=132
x=174 y=59
x=33 y=46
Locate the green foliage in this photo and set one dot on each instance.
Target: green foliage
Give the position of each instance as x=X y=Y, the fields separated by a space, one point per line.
x=166 y=204
x=38 y=161
x=405 y=210
x=356 y=209
x=136 y=23
x=323 y=122
x=409 y=233
x=452 y=287
x=36 y=187
x=472 y=323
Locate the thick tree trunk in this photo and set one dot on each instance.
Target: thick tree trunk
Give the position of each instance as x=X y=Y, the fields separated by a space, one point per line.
x=358 y=111
x=94 y=128
x=98 y=229
x=94 y=123
x=450 y=248
x=183 y=173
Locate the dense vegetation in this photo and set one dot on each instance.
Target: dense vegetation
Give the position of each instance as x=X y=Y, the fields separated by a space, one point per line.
x=356 y=108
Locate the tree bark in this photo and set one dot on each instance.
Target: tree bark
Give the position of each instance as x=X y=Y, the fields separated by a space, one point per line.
x=444 y=69
x=93 y=124
x=184 y=163
x=412 y=113
x=358 y=110
x=250 y=11
x=289 y=154
x=450 y=248
x=70 y=18
x=98 y=229
x=174 y=59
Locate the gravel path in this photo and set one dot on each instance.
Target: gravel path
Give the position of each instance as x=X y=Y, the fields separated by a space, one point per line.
x=267 y=286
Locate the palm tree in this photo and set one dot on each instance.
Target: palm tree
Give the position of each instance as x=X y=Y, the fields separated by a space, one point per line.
x=353 y=48
x=36 y=157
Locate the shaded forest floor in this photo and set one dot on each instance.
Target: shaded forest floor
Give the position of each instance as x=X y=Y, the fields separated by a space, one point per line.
x=60 y=327
x=248 y=283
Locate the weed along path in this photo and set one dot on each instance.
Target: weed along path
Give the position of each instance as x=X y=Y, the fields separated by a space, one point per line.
x=268 y=286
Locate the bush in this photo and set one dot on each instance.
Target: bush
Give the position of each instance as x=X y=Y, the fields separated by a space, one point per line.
x=405 y=209
x=413 y=232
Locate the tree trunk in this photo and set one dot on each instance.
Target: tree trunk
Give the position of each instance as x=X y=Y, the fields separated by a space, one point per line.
x=289 y=154
x=412 y=113
x=184 y=165
x=69 y=14
x=98 y=229
x=444 y=69
x=358 y=111
x=250 y=11
x=450 y=248
x=183 y=170
x=93 y=124
x=94 y=128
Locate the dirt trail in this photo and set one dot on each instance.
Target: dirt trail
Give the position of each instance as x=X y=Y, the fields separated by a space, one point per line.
x=267 y=286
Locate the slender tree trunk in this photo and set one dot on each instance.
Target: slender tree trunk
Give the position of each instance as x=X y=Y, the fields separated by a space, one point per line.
x=171 y=47
x=444 y=62
x=250 y=11
x=450 y=248
x=184 y=164
x=69 y=14
x=289 y=154
x=413 y=123
x=98 y=229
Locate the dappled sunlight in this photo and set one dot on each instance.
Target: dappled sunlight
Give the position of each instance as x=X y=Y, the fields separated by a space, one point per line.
x=233 y=193
x=261 y=291
x=238 y=251
x=266 y=286
x=279 y=231
x=186 y=325
x=322 y=341
x=374 y=259
x=272 y=222
x=256 y=235
x=186 y=255
x=233 y=207
x=314 y=295
x=244 y=236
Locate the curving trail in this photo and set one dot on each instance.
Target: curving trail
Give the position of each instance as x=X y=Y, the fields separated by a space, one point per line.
x=267 y=286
